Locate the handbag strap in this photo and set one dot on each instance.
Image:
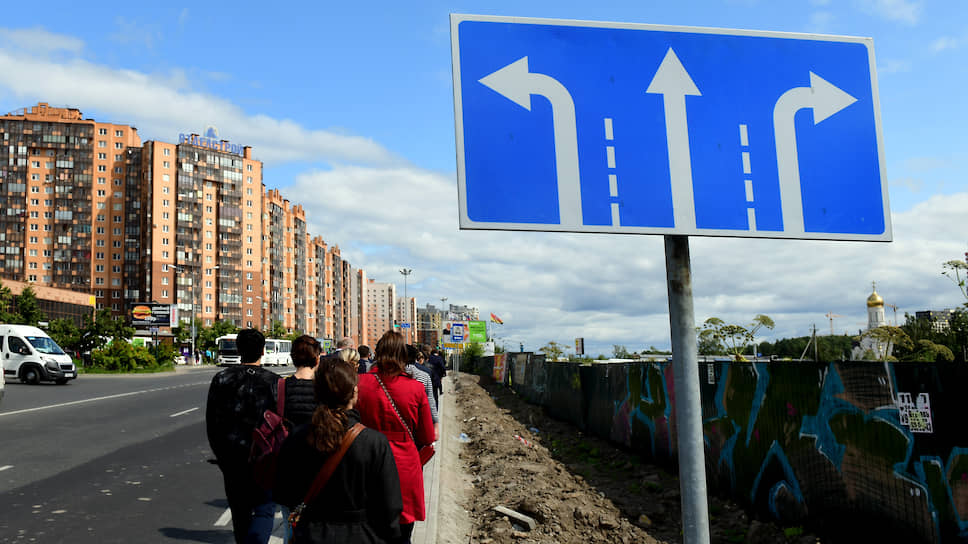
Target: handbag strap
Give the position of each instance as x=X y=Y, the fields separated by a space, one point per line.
x=393 y=404
x=281 y=397
x=331 y=463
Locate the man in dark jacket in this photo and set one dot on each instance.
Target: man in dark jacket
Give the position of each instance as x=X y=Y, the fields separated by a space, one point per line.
x=237 y=399
x=436 y=363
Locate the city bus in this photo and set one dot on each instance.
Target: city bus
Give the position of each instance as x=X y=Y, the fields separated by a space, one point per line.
x=227 y=351
x=278 y=352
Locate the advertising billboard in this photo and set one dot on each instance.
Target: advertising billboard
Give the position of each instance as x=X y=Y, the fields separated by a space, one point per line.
x=150 y=314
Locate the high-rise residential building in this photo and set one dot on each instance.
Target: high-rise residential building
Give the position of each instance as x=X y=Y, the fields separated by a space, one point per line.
x=406 y=312
x=380 y=308
x=203 y=247
x=63 y=201
x=87 y=207
x=358 y=325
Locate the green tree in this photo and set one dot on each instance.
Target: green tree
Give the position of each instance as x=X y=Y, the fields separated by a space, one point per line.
x=928 y=351
x=102 y=329
x=733 y=339
x=292 y=337
x=553 y=350
x=65 y=333
x=276 y=331
x=619 y=352
x=29 y=308
x=207 y=336
x=8 y=313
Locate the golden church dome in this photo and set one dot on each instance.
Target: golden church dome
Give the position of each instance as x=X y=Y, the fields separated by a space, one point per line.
x=874 y=300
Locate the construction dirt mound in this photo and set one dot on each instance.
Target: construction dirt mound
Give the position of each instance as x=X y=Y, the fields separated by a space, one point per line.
x=574 y=488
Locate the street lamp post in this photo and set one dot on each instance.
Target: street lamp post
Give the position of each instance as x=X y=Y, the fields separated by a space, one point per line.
x=191 y=317
x=440 y=335
x=406 y=302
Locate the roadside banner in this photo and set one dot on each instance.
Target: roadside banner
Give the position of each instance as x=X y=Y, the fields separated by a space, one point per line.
x=477 y=331
x=500 y=367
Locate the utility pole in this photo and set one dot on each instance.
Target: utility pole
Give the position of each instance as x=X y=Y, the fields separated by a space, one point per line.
x=406 y=301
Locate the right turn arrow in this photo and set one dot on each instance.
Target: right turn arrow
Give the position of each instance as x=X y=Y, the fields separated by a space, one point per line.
x=825 y=99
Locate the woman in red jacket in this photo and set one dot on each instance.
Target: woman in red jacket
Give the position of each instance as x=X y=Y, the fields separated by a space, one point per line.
x=409 y=403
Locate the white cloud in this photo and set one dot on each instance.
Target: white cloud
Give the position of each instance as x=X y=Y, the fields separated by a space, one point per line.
x=945 y=42
x=612 y=289
x=38 y=40
x=162 y=105
x=893 y=66
x=904 y=11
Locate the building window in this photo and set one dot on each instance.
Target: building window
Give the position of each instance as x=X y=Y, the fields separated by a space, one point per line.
x=102 y=132
x=118 y=145
x=248 y=167
x=102 y=156
x=118 y=133
x=102 y=168
x=102 y=181
x=164 y=293
x=117 y=157
x=102 y=143
x=166 y=152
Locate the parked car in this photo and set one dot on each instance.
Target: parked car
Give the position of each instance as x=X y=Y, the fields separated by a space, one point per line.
x=31 y=356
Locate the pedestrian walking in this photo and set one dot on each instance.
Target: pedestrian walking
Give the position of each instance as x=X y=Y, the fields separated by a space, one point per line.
x=366 y=359
x=360 y=502
x=395 y=404
x=300 y=395
x=237 y=398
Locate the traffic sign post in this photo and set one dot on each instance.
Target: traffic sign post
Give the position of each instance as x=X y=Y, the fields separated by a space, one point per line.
x=621 y=128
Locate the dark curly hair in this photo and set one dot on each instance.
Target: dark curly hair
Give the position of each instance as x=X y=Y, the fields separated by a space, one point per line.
x=334 y=385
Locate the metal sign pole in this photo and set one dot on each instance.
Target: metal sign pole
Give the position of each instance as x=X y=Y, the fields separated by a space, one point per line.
x=692 y=459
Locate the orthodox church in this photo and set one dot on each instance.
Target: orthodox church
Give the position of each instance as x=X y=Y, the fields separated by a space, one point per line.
x=869 y=348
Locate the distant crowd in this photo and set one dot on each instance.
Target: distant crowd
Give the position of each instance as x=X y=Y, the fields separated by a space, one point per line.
x=340 y=445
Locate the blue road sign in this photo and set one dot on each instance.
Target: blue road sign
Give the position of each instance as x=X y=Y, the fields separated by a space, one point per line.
x=609 y=127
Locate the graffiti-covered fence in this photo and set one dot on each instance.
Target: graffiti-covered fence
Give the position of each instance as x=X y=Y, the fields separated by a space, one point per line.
x=803 y=442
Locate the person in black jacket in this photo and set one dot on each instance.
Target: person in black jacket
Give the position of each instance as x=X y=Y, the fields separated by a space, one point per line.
x=300 y=397
x=436 y=363
x=237 y=399
x=361 y=502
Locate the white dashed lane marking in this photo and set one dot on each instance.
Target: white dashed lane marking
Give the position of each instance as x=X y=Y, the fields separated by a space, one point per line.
x=183 y=412
x=6 y=467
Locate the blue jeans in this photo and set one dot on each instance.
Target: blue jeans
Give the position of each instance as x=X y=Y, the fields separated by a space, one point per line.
x=252 y=508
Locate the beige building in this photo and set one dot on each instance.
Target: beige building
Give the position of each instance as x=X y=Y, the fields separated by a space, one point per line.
x=65 y=200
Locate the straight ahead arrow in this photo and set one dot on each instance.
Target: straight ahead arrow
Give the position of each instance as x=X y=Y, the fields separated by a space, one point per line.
x=673 y=83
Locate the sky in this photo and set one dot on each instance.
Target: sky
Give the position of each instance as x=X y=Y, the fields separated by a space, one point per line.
x=351 y=108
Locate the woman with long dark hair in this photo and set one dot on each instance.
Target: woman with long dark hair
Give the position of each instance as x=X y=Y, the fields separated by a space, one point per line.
x=361 y=501
x=395 y=404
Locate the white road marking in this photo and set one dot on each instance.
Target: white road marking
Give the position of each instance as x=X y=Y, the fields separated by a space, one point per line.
x=119 y=395
x=608 y=129
x=749 y=190
x=615 y=216
x=744 y=136
x=610 y=153
x=612 y=185
x=276 y=540
x=184 y=412
x=224 y=519
x=746 y=162
x=5 y=467
x=751 y=215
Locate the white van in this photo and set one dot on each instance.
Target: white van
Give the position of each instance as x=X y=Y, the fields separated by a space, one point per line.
x=30 y=355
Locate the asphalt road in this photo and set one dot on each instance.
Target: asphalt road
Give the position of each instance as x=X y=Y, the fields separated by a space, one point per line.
x=110 y=459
